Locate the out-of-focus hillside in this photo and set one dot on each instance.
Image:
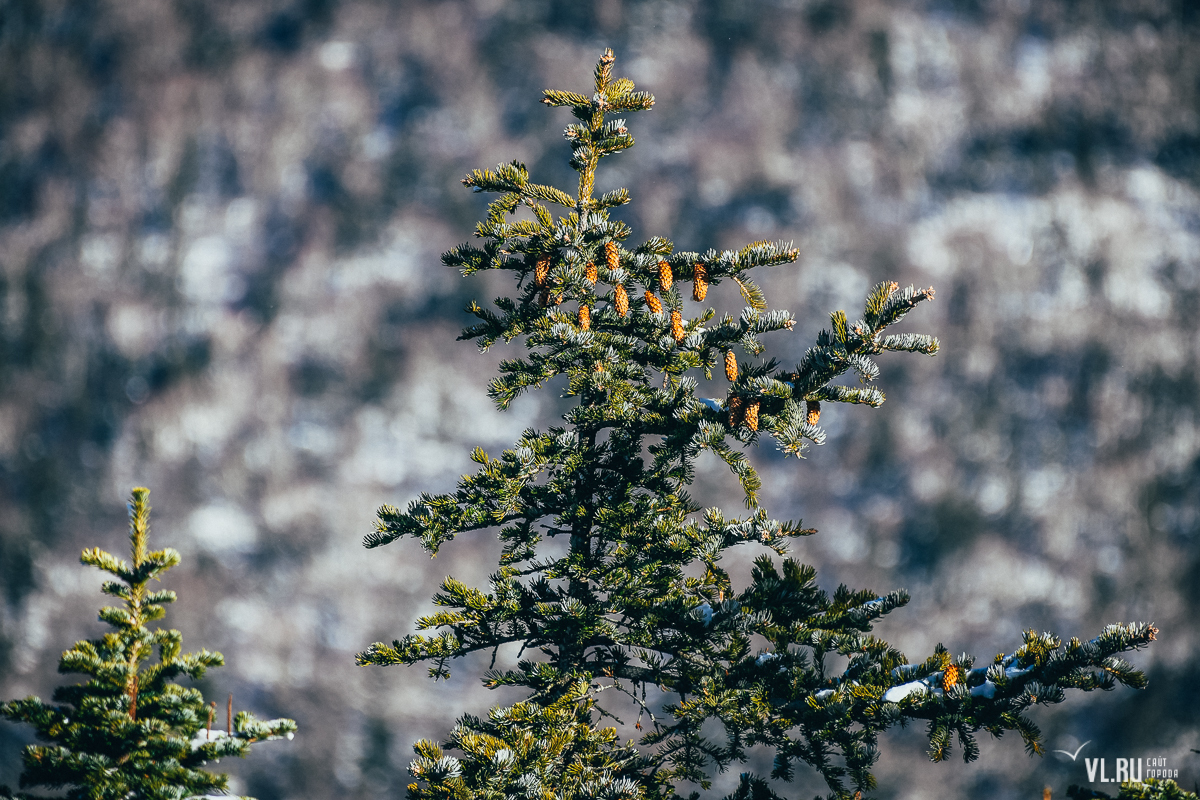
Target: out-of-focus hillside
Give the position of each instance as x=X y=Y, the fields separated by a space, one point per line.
x=220 y=225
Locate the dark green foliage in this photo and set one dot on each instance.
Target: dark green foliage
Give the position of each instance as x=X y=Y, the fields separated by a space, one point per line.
x=1150 y=789
x=531 y=750
x=617 y=613
x=130 y=731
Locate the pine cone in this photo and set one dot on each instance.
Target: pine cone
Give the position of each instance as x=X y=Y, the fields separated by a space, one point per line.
x=735 y=411
x=700 y=285
x=652 y=302
x=677 y=325
x=814 y=412
x=731 y=370
x=950 y=677
x=611 y=258
x=592 y=272
x=622 y=300
x=541 y=270
x=585 y=318
x=665 y=278
x=544 y=298
x=752 y=414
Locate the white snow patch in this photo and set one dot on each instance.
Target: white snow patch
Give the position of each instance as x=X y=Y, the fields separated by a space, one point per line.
x=987 y=690
x=206 y=735
x=872 y=606
x=898 y=693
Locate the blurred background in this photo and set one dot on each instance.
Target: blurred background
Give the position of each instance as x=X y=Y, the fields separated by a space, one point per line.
x=220 y=228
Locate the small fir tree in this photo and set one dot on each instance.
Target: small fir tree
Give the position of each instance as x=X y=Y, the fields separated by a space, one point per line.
x=130 y=732
x=617 y=612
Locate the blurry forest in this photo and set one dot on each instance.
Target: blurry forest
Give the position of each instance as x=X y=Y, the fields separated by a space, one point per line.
x=220 y=228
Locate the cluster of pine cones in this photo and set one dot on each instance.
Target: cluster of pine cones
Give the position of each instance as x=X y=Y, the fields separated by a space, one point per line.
x=666 y=279
x=740 y=411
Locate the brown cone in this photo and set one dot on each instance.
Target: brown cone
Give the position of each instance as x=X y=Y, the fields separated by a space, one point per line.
x=735 y=411
x=665 y=278
x=591 y=272
x=611 y=259
x=814 y=412
x=700 y=285
x=541 y=270
x=652 y=303
x=752 y=415
x=731 y=370
x=585 y=318
x=677 y=325
x=622 y=300
x=950 y=677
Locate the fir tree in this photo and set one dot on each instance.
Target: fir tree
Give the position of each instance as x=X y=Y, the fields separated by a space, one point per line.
x=617 y=613
x=130 y=732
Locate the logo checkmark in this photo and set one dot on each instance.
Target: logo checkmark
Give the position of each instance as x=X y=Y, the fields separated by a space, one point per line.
x=1077 y=749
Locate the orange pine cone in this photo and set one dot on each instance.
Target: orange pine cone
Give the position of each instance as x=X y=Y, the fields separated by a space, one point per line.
x=752 y=415
x=813 y=414
x=622 y=300
x=665 y=278
x=591 y=272
x=541 y=270
x=735 y=411
x=677 y=325
x=950 y=677
x=652 y=302
x=731 y=370
x=700 y=285
x=611 y=259
x=585 y=318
